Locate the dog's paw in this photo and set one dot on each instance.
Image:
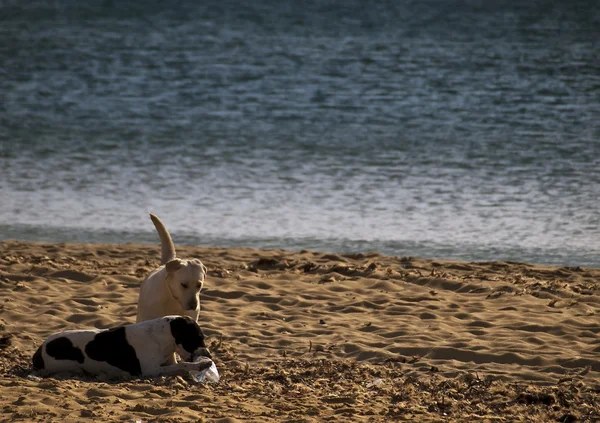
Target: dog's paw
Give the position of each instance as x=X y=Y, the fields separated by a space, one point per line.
x=202 y=363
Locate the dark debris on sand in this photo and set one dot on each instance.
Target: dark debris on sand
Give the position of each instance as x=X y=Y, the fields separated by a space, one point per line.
x=347 y=388
x=336 y=390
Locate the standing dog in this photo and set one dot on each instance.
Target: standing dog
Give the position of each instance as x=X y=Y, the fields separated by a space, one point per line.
x=173 y=288
x=141 y=349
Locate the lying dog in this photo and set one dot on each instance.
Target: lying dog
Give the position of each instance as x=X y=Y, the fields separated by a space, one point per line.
x=141 y=349
x=173 y=288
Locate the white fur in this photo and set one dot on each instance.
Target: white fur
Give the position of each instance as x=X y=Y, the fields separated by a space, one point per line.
x=174 y=288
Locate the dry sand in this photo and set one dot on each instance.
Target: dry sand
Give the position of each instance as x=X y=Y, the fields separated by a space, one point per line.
x=308 y=336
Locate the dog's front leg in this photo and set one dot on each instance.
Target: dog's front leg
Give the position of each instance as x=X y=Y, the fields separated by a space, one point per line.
x=182 y=368
x=171 y=360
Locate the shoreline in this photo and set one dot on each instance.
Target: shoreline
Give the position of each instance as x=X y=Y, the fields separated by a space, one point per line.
x=427 y=249
x=297 y=330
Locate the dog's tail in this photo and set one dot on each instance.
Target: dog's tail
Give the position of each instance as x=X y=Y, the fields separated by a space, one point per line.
x=167 y=248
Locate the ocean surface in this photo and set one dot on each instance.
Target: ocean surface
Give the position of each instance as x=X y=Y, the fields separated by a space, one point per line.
x=442 y=129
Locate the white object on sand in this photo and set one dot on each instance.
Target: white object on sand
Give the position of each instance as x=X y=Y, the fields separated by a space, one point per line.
x=210 y=374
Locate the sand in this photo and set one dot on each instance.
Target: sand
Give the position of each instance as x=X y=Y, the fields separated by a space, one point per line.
x=308 y=336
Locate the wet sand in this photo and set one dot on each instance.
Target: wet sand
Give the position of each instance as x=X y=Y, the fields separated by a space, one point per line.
x=310 y=336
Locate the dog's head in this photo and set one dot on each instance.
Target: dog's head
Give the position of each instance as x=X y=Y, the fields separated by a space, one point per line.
x=185 y=279
x=188 y=337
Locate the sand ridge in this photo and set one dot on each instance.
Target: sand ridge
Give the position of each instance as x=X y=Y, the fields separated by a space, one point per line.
x=309 y=336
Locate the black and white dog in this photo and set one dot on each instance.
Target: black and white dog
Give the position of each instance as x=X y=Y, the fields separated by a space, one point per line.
x=142 y=349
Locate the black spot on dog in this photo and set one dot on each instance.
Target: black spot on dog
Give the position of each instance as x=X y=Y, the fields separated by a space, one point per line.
x=62 y=349
x=112 y=347
x=38 y=360
x=187 y=333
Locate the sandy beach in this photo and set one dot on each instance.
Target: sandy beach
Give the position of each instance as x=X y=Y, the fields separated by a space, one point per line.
x=311 y=336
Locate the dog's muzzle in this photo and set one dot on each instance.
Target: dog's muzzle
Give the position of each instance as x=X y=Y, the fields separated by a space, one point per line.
x=192 y=305
x=202 y=352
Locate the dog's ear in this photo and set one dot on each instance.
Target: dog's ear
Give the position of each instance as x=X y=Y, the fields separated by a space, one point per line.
x=173 y=265
x=205 y=270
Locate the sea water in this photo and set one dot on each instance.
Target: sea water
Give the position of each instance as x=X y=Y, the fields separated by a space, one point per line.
x=438 y=129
